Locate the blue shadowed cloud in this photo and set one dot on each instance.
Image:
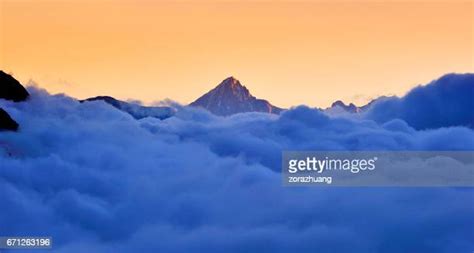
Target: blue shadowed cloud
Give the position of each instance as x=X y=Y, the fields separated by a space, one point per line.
x=447 y=101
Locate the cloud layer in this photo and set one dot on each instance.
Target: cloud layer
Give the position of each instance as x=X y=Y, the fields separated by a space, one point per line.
x=447 y=101
x=98 y=180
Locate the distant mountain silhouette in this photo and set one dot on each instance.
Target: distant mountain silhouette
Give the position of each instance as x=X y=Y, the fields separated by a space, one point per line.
x=231 y=97
x=137 y=111
x=340 y=107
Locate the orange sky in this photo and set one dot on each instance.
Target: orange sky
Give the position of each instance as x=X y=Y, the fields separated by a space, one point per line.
x=288 y=52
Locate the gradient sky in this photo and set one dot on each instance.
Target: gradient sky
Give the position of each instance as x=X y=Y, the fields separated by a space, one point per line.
x=287 y=52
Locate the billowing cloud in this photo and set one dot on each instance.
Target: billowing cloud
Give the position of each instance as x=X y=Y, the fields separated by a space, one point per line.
x=98 y=180
x=445 y=102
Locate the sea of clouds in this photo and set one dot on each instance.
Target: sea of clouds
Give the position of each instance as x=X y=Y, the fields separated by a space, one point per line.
x=97 y=180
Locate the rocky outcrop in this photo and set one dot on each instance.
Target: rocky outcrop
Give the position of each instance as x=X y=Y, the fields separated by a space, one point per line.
x=6 y=122
x=11 y=89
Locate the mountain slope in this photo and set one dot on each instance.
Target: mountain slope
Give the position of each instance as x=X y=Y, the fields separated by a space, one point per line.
x=231 y=97
x=137 y=111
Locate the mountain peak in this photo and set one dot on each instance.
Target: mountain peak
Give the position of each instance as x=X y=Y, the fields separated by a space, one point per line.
x=231 y=87
x=231 y=80
x=230 y=97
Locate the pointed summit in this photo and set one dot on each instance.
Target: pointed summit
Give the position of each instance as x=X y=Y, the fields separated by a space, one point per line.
x=231 y=80
x=230 y=97
x=231 y=87
x=232 y=83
